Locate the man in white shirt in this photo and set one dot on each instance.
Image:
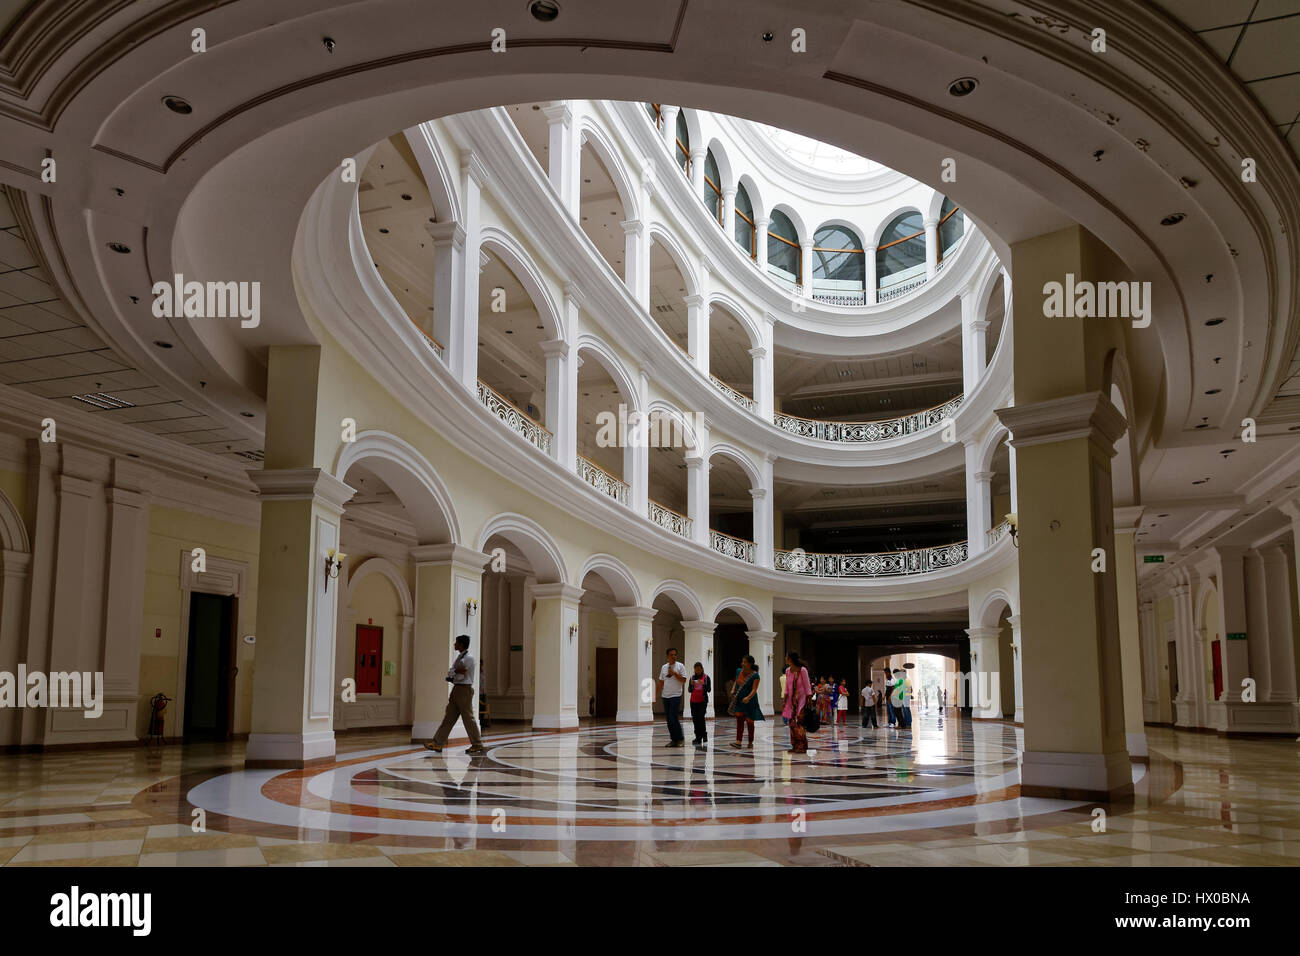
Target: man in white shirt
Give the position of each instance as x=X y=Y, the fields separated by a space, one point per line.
x=460 y=701
x=672 y=681
x=869 y=706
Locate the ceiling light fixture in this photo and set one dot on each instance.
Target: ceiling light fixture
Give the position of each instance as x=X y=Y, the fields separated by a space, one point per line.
x=1173 y=219
x=177 y=105
x=544 y=10
x=119 y=247
x=963 y=86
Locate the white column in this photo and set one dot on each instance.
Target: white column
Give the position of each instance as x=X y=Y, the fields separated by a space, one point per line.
x=762 y=518
x=448 y=288
x=931 y=248
x=1259 y=625
x=1281 y=638
x=761 y=378
x=697 y=171
x=635 y=664
x=669 y=128
x=870 y=283
x=760 y=648
x=1014 y=621
x=697 y=496
x=984 y=695
x=464 y=364
x=729 y=212
x=555 y=631
x=979 y=502
x=562 y=155
x=760 y=241
x=1011 y=466
x=127 y=533
x=697 y=331
x=636 y=261
x=562 y=401
x=699 y=645
x=806 y=268
x=447 y=578
x=973 y=353
x=1150 y=662
x=405 y=687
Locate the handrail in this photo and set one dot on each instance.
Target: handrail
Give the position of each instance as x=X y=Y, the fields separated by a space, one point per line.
x=741 y=549
x=744 y=401
x=515 y=418
x=667 y=518
x=603 y=481
x=867 y=431
x=880 y=564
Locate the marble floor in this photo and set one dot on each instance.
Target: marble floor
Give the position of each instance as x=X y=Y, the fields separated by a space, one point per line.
x=946 y=794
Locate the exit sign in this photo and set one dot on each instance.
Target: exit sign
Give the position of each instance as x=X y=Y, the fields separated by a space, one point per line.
x=1237 y=636
x=1153 y=559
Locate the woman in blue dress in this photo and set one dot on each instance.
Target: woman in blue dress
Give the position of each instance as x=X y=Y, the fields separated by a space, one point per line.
x=745 y=703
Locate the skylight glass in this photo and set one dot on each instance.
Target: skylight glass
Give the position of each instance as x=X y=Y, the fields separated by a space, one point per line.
x=818 y=155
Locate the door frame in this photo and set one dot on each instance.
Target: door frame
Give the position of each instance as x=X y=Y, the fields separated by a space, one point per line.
x=224 y=577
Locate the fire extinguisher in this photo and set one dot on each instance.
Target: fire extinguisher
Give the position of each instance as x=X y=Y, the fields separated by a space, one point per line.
x=157 y=719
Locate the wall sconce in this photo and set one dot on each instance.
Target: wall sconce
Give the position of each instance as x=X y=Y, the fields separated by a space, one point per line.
x=573 y=630
x=1011 y=520
x=471 y=608
x=710 y=653
x=333 y=564
x=649 y=643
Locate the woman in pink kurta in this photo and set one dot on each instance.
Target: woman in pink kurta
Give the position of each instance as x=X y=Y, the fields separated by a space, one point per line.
x=797 y=692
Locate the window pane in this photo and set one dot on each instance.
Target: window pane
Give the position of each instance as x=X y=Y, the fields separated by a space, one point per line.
x=901 y=257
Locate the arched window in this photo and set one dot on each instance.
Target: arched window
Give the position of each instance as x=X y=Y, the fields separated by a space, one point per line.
x=712 y=186
x=656 y=115
x=952 y=226
x=746 y=233
x=839 y=266
x=900 y=257
x=683 y=143
x=783 y=253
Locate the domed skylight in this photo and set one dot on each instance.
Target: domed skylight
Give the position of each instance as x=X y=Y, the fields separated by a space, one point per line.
x=818 y=155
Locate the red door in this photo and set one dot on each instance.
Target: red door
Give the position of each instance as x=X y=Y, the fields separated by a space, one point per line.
x=1218 y=671
x=370 y=642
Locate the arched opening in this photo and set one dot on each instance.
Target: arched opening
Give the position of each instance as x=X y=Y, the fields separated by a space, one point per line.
x=668 y=290
x=1000 y=485
x=746 y=232
x=601 y=208
x=784 y=254
x=952 y=227
x=655 y=112
x=604 y=414
x=730 y=364
x=839 y=266
x=900 y=255
x=395 y=208
x=598 y=645
x=730 y=644
x=534 y=129
x=682 y=152
x=731 y=508
x=712 y=186
x=673 y=604
x=511 y=362
x=667 y=488
x=995 y=313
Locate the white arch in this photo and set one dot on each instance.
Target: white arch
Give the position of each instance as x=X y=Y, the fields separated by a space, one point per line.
x=731 y=451
x=800 y=227
x=591 y=133
x=665 y=407
x=1206 y=592
x=741 y=315
x=726 y=176
x=387 y=569
x=532 y=540
x=412 y=478
x=935 y=206
x=989 y=447
x=1117 y=382
x=437 y=177
x=614 y=573
x=659 y=233
x=609 y=360
x=692 y=129
x=884 y=223
x=683 y=596
x=13 y=533
x=506 y=248
x=755 y=194
x=988 y=616
x=748 y=611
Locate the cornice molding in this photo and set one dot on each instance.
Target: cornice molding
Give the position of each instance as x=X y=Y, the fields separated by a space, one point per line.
x=1089 y=415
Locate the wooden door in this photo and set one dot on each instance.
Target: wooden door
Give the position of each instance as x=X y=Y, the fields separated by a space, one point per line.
x=606 y=681
x=370 y=644
x=1218 y=669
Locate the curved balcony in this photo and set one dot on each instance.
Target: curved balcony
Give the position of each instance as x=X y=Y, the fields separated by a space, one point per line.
x=887 y=564
x=994 y=535
x=868 y=431
x=515 y=418
x=666 y=518
x=731 y=546
x=603 y=481
x=744 y=401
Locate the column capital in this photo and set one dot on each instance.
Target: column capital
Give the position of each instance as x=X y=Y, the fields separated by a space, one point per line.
x=758 y=493
x=302 y=484
x=1089 y=415
x=558 y=113
x=694 y=300
x=982 y=633
x=573 y=294
x=1014 y=621
x=929 y=223
x=554 y=348
x=634 y=613
x=758 y=352
x=633 y=227
x=984 y=476
x=698 y=627
x=729 y=192
x=1128 y=519
x=761 y=635
x=565 y=592
x=472 y=166
x=446 y=233
x=453 y=554
x=698 y=153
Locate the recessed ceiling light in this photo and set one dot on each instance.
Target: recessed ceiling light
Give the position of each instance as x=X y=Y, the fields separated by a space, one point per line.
x=383 y=232
x=406 y=196
x=161 y=344
x=247 y=414
x=544 y=10
x=120 y=247
x=1214 y=322
x=1213 y=391
x=963 y=86
x=177 y=105
x=1166 y=515
x=1228 y=451
x=1173 y=219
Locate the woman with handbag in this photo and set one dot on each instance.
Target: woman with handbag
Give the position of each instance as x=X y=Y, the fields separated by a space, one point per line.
x=797 y=695
x=745 y=704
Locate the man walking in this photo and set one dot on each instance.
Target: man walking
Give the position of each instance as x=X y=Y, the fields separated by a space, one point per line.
x=869 y=706
x=672 y=679
x=460 y=702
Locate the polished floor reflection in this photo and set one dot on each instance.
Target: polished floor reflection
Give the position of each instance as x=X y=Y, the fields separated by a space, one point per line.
x=945 y=794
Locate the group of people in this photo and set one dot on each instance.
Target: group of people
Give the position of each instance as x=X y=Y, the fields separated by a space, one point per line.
x=832 y=700
x=742 y=703
x=897 y=697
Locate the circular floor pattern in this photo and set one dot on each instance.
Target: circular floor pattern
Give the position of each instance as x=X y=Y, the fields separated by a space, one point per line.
x=614 y=783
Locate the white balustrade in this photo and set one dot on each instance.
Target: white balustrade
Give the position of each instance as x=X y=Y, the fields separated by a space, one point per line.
x=515 y=418
x=868 y=431
x=603 y=481
x=731 y=546
x=674 y=521
x=884 y=564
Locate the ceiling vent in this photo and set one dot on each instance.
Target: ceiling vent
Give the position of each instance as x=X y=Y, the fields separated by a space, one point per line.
x=103 y=400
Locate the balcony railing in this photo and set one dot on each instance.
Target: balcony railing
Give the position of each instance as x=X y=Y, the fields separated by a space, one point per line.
x=674 y=521
x=431 y=342
x=840 y=298
x=994 y=535
x=887 y=564
x=901 y=289
x=603 y=481
x=731 y=546
x=868 y=431
x=743 y=401
x=515 y=418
